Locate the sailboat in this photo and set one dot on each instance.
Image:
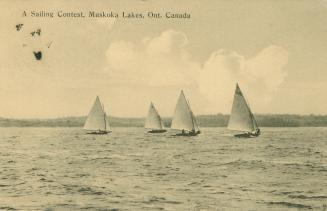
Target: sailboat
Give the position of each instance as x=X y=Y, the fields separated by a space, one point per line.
x=97 y=121
x=154 y=121
x=184 y=118
x=241 y=118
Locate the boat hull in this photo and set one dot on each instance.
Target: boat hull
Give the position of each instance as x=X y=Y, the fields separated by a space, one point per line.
x=157 y=131
x=246 y=135
x=188 y=133
x=98 y=132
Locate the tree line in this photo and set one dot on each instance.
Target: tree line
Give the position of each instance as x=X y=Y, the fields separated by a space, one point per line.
x=218 y=120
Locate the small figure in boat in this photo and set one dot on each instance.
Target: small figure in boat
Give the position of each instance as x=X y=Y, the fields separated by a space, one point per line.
x=183 y=131
x=193 y=132
x=257 y=132
x=251 y=134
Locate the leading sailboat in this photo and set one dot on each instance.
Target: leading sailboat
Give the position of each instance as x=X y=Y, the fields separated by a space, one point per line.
x=184 y=118
x=241 y=118
x=153 y=121
x=97 y=121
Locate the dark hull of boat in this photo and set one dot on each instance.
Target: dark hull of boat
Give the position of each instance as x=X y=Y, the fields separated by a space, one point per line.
x=157 y=131
x=188 y=134
x=98 y=132
x=246 y=135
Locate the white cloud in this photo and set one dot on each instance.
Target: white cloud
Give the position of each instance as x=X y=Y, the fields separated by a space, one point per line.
x=259 y=77
x=164 y=61
x=160 y=61
x=168 y=42
x=76 y=68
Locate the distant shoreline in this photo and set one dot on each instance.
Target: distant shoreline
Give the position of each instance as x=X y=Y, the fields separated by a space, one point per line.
x=218 y=120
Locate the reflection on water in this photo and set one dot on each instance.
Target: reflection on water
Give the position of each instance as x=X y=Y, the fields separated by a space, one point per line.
x=65 y=169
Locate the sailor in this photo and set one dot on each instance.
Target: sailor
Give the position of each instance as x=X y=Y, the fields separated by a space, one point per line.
x=183 y=131
x=257 y=131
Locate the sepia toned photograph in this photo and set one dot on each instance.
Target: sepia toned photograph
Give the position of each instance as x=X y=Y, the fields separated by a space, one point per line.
x=195 y=105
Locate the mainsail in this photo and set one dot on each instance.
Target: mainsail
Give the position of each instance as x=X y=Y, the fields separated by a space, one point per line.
x=153 y=120
x=97 y=119
x=184 y=118
x=241 y=117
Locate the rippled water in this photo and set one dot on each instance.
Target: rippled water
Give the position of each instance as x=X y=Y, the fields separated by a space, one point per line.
x=65 y=169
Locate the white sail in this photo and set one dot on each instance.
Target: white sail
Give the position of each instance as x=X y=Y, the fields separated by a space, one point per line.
x=241 y=117
x=196 y=126
x=255 y=124
x=96 y=120
x=108 y=128
x=184 y=118
x=153 y=120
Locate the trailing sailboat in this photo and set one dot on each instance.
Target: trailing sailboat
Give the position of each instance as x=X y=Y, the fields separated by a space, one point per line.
x=241 y=118
x=154 y=121
x=184 y=118
x=97 y=121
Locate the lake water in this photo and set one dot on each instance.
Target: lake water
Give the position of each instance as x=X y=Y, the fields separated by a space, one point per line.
x=65 y=169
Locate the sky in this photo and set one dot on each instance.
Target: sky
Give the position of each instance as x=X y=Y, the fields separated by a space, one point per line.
x=275 y=50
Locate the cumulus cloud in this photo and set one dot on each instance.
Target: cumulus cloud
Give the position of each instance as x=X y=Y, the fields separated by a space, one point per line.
x=158 y=61
x=259 y=76
x=164 y=61
x=77 y=67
